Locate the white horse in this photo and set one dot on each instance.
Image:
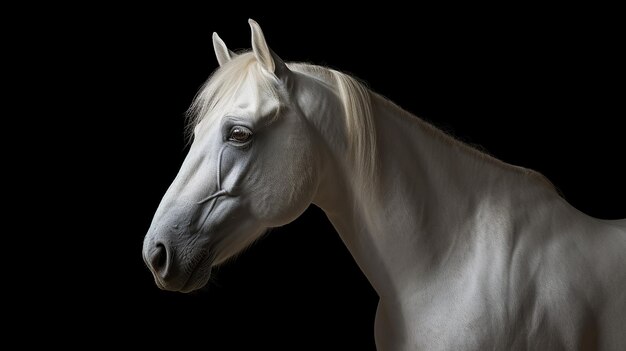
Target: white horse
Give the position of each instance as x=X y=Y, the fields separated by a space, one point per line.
x=466 y=252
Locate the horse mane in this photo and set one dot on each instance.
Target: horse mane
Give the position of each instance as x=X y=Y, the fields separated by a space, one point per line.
x=221 y=88
x=223 y=84
x=356 y=98
x=359 y=117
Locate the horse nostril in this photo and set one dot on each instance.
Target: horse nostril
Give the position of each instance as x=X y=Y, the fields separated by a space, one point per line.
x=158 y=260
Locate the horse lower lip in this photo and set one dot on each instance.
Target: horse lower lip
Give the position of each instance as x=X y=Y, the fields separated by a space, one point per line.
x=159 y=284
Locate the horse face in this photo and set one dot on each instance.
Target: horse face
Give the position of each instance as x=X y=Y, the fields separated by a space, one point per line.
x=252 y=165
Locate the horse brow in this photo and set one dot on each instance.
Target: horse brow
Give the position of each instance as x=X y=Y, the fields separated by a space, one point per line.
x=263 y=116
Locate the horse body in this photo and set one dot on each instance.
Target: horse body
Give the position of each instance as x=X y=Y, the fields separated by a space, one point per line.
x=468 y=253
x=465 y=252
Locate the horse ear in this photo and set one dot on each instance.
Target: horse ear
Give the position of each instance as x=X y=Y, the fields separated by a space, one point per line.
x=266 y=57
x=221 y=51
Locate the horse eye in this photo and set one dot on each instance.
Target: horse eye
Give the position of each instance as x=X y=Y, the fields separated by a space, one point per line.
x=240 y=134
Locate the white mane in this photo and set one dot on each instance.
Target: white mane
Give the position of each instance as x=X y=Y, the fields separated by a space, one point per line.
x=221 y=88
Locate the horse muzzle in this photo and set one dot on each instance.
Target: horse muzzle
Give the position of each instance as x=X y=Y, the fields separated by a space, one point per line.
x=181 y=269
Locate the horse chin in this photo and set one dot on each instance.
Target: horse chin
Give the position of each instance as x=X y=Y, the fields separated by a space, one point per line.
x=198 y=278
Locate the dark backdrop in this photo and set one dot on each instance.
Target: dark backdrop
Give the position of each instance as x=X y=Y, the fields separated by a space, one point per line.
x=537 y=88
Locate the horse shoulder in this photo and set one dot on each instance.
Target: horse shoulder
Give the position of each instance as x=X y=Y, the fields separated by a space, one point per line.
x=582 y=286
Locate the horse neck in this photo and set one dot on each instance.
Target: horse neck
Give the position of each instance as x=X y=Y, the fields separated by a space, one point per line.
x=430 y=194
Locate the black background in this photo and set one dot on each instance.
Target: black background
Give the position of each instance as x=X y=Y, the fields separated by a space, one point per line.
x=539 y=88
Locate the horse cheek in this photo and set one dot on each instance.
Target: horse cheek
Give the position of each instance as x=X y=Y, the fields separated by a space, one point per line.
x=288 y=190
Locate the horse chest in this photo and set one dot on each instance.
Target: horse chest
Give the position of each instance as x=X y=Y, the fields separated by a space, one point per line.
x=437 y=322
